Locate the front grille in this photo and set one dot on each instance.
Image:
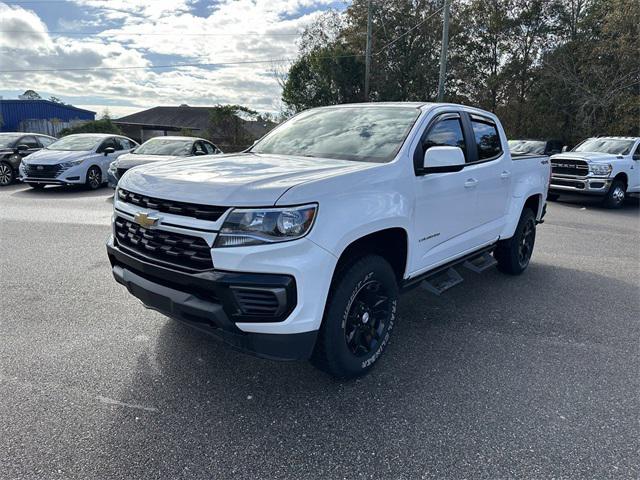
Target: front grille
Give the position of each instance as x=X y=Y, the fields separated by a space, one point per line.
x=257 y=302
x=202 y=212
x=183 y=251
x=567 y=183
x=563 y=166
x=43 y=171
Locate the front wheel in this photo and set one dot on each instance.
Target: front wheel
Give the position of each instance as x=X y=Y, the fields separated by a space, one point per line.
x=94 y=178
x=514 y=254
x=616 y=195
x=7 y=175
x=358 y=320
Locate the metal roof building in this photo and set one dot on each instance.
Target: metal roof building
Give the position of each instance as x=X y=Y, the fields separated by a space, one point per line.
x=40 y=116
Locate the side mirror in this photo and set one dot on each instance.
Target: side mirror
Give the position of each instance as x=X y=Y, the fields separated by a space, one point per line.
x=21 y=148
x=565 y=149
x=108 y=150
x=198 y=153
x=443 y=160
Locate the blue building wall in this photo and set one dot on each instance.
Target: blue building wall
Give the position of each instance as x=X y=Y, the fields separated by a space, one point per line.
x=17 y=115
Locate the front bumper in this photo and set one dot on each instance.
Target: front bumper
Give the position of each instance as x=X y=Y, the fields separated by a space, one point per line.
x=208 y=301
x=586 y=185
x=73 y=175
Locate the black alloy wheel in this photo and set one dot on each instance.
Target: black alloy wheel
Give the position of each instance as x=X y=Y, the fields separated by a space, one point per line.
x=6 y=174
x=94 y=178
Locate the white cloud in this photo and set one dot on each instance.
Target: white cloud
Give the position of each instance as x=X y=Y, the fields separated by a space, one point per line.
x=245 y=30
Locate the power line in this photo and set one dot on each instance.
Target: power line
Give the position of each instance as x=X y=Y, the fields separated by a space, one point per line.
x=176 y=65
x=158 y=34
x=387 y=45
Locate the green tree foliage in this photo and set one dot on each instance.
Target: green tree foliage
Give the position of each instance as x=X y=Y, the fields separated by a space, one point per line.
x=104 y=125
x=549 y=68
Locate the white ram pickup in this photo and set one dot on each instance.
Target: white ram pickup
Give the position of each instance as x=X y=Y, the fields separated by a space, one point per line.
x=604 y=166
x=299 y=247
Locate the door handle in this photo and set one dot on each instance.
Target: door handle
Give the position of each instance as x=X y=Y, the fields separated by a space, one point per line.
x=505 y=174
x=470 y=183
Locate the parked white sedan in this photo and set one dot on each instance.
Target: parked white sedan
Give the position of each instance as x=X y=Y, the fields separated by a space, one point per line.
x=75 y=159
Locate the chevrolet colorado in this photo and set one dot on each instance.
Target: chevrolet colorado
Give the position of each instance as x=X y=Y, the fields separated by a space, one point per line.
x=298 y=247
x=608 y=167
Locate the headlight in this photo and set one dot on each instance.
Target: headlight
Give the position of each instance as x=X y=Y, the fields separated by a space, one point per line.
x=72 y=163
x=113 y=167
x=600 y=169
x=246 y=226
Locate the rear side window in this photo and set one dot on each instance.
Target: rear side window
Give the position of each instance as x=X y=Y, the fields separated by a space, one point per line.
x=30 y=142
x=487 y=138
x=445 y=133
x=46 y=141
x=209 y=148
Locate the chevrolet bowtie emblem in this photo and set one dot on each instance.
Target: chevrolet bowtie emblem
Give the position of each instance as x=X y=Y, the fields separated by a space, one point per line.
x=144 y=220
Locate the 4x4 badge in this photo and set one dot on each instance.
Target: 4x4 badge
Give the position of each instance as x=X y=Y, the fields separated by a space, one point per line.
x=144 y=220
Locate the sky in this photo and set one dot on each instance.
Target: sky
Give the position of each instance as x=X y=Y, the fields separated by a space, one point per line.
x=64 y=34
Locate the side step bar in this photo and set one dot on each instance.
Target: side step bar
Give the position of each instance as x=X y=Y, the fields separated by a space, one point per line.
x=443 y=278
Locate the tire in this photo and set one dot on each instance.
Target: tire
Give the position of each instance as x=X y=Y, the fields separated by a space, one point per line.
x=7 y=175
x=36 y=186
x=94 y=178
x=358 y=319
x=616 y=195
x=514 y=254
x=552 y=197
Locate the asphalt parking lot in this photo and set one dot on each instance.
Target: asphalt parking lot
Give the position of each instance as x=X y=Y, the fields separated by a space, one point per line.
x=528 y=377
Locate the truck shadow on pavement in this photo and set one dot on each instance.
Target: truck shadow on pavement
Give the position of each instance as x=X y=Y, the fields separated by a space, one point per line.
x=487 y=371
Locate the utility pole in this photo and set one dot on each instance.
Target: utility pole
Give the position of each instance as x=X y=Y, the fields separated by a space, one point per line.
x=443 y=52
x=367 y=58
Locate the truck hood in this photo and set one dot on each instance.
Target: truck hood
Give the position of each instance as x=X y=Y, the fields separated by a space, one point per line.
x=52 y=157
x=244 y=179
x=129 y=160
x=587 y=156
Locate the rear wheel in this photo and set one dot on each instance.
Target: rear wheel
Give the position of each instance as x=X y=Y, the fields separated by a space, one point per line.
x=359 y=317
x=94 y=178
x=616 y=195
x=7 y=175
x=513 y=254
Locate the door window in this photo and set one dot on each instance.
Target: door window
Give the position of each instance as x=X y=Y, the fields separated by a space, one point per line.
x=30 y=142
x=109 y=142
x=198 y=147
x=487 y=138
x=445 y=133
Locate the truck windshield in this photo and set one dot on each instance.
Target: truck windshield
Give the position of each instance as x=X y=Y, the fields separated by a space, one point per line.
x=163 y=146
x=76 y=143
x=615 y=146
x=365 y=134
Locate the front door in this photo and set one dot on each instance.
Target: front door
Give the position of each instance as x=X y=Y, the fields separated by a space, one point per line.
x=445 y=206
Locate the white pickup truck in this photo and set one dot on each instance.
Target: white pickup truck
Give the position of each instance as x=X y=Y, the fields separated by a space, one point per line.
x=298 y=248
x=605 y=166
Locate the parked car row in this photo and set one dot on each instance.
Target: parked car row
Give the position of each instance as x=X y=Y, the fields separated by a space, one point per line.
x=91 y=159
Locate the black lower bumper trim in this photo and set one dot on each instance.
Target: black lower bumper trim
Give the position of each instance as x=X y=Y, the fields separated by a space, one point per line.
x=205 y=301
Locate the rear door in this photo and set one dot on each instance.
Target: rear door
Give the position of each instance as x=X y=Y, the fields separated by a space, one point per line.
x=490 y=168
x=445 y=206
x=31 y=142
